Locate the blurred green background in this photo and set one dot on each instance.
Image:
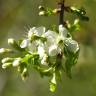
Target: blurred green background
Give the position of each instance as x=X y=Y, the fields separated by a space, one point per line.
x=16 y=17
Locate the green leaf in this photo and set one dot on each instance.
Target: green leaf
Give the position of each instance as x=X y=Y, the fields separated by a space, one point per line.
x=74 y=28
x=71 y=60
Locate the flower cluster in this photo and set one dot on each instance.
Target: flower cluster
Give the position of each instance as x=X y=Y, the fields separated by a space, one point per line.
x=47 y=51
x=48 y=43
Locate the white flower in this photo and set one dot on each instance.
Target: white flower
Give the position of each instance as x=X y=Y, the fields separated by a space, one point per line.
x=72 y=45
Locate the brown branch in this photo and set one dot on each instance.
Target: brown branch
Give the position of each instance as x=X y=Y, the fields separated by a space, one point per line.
x=61 y=16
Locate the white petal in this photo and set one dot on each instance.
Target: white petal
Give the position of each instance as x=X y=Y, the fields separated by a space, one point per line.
x=31 y=32
x=32 y=47
x=51 y=34
x=54 y=50
x=41 y=51
x=40 y=31
x=51 y=37
x=63 y=31
x=72 y=45
x=24 y=43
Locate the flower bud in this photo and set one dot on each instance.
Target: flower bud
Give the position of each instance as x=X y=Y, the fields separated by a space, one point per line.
x=5 y=65
x=41 y=8
x=16 y=62
x=55 y=11
x=41 y=13
x=5 y=60
x=24 y=43
x=74 y=9
x=76 y=21
x=24 y=74
x=11 y=41
x=14 y=44
x=4 y=50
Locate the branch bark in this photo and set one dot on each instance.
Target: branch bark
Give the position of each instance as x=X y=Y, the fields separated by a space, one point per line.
x=61 y=15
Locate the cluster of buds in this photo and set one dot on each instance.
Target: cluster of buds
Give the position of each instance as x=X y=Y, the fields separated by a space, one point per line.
x=48 y=11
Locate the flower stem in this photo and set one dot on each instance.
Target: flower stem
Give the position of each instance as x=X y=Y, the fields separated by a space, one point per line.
x=61 y=16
